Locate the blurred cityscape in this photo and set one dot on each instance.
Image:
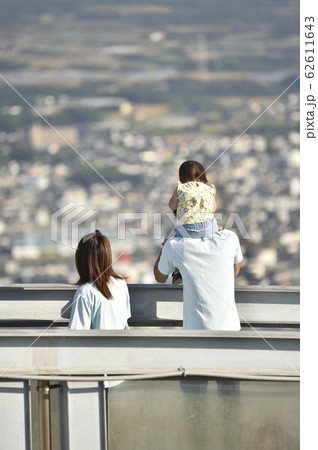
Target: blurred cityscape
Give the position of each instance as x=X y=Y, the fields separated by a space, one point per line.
x=101 y=103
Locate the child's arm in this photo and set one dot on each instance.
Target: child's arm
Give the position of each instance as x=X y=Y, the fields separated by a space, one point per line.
x=214 y=205
x=173 y=202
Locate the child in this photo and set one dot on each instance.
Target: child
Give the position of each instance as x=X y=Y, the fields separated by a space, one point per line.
x=193 y=202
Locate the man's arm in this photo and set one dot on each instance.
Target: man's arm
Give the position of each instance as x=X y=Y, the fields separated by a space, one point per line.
x=237 y=268
x=160 y=277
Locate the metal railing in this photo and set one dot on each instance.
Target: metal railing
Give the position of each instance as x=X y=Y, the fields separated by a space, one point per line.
x=67 y=368
x=151 y=305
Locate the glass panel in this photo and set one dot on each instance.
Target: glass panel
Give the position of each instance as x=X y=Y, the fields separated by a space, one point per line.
x=194 y=414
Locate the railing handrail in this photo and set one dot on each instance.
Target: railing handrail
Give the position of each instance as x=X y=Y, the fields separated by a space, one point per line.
x=71 y=286
x=150 y=304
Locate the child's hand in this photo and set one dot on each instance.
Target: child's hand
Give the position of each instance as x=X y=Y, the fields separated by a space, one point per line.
x=220 y=228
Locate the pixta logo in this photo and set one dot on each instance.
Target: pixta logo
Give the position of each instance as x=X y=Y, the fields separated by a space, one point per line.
x=66 y=223
x=155 y=224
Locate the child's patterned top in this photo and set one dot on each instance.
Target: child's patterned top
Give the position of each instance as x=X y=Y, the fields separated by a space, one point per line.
x=194 y=202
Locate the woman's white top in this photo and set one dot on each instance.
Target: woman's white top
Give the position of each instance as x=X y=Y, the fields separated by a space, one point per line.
x=92 y=310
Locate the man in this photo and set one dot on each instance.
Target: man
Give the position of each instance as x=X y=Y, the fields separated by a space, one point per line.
x=208 y=267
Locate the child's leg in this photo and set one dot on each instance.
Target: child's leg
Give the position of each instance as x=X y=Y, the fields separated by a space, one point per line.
x=177 y=232
x=201 y=229
x=214 y=224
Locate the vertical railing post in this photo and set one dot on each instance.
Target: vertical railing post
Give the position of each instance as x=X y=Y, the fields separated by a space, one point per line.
x=106 y=411
x=44 y=414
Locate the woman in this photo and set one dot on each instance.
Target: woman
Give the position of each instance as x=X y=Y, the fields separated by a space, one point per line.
x=102 y=300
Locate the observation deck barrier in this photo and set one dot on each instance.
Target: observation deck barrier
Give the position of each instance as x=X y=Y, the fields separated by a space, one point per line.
x=181 y=389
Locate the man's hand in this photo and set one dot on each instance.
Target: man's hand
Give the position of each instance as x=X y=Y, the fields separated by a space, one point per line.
x=160 y=277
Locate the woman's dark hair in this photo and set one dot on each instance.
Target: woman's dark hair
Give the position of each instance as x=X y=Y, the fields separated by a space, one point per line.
x=93 y=260
x=192 y=171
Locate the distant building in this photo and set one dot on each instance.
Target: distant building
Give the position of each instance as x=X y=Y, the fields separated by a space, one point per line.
x=42 y=138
